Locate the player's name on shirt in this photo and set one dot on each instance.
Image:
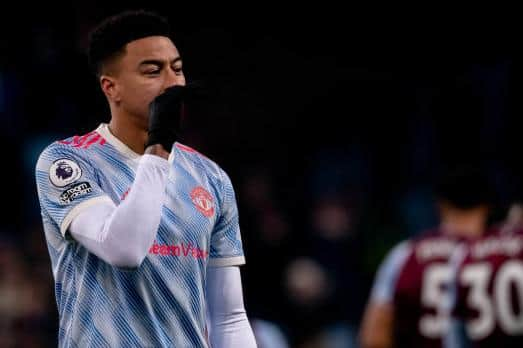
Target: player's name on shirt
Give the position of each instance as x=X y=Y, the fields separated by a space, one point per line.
x=434 y=248
x=510 y=245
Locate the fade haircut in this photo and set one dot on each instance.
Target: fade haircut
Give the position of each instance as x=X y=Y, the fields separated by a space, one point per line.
x=108 y=39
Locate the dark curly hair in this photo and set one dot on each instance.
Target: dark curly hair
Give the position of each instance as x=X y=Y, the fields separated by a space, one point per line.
x=108 y=39
x=465 y=186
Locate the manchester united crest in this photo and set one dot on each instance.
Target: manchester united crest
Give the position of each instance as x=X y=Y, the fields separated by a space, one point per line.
x=203 y=201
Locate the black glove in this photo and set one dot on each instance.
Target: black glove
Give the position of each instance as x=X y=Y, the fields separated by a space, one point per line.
x=165 y=114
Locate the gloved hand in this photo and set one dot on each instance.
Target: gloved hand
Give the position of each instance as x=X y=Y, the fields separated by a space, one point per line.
x=165 y=114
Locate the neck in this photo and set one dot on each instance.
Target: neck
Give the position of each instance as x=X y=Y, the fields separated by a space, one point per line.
x=468 y=225
x=129 y=131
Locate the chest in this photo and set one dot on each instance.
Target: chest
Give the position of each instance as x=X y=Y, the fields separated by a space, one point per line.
x=191 y=203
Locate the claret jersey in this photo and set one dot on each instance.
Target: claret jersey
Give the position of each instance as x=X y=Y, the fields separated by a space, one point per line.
x=488 y=287
x=414 y=278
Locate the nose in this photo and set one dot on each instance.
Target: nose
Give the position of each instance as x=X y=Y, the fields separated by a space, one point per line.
x=173 y=79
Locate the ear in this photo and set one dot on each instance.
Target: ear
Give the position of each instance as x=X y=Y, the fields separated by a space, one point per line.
x=110 y=88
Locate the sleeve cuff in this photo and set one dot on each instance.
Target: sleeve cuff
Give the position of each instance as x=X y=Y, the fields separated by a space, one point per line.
x=227 y=261
x=78 y=209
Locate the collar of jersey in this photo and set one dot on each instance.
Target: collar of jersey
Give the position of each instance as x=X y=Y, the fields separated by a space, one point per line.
x=103 y=130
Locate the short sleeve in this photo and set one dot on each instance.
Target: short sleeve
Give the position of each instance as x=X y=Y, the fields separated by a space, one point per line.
x=226 y=243
x=67 y=184
x=387 y=276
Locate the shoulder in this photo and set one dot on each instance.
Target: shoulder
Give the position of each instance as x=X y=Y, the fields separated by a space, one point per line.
x=401 y=250
x=435 y=238
x=56 y=152
x=77 y=146
x=68 y=157
x=389 y=272
x=433 y=246
x=398 y=255
x=495 y=245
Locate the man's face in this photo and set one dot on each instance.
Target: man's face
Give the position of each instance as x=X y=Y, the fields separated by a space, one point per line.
x=144 y=71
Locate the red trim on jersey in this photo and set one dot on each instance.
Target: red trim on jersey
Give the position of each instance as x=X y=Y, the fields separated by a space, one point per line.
x=186 y=148
x=85 y=141
x=124 y=195
x=93 y=140
x=189 y=149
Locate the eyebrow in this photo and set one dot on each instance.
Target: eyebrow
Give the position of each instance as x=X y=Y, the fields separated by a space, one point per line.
x=159 y=62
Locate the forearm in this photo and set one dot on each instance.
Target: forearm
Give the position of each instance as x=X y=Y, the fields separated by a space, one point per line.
x=229 y=325
x=121 y=235
x=377 y=326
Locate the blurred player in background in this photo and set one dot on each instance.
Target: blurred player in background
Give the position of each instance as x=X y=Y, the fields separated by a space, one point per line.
x=406 y=305
x=487 y=289
x=142 y=231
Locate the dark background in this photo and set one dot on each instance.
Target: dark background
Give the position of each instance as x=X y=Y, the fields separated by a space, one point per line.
x=332 y=123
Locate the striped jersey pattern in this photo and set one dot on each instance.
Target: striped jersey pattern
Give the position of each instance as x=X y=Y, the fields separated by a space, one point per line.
x=162 y=302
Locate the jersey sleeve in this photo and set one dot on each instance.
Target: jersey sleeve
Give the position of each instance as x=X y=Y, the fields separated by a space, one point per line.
x=226 y=244
x=384 y=286
x=67 y=184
